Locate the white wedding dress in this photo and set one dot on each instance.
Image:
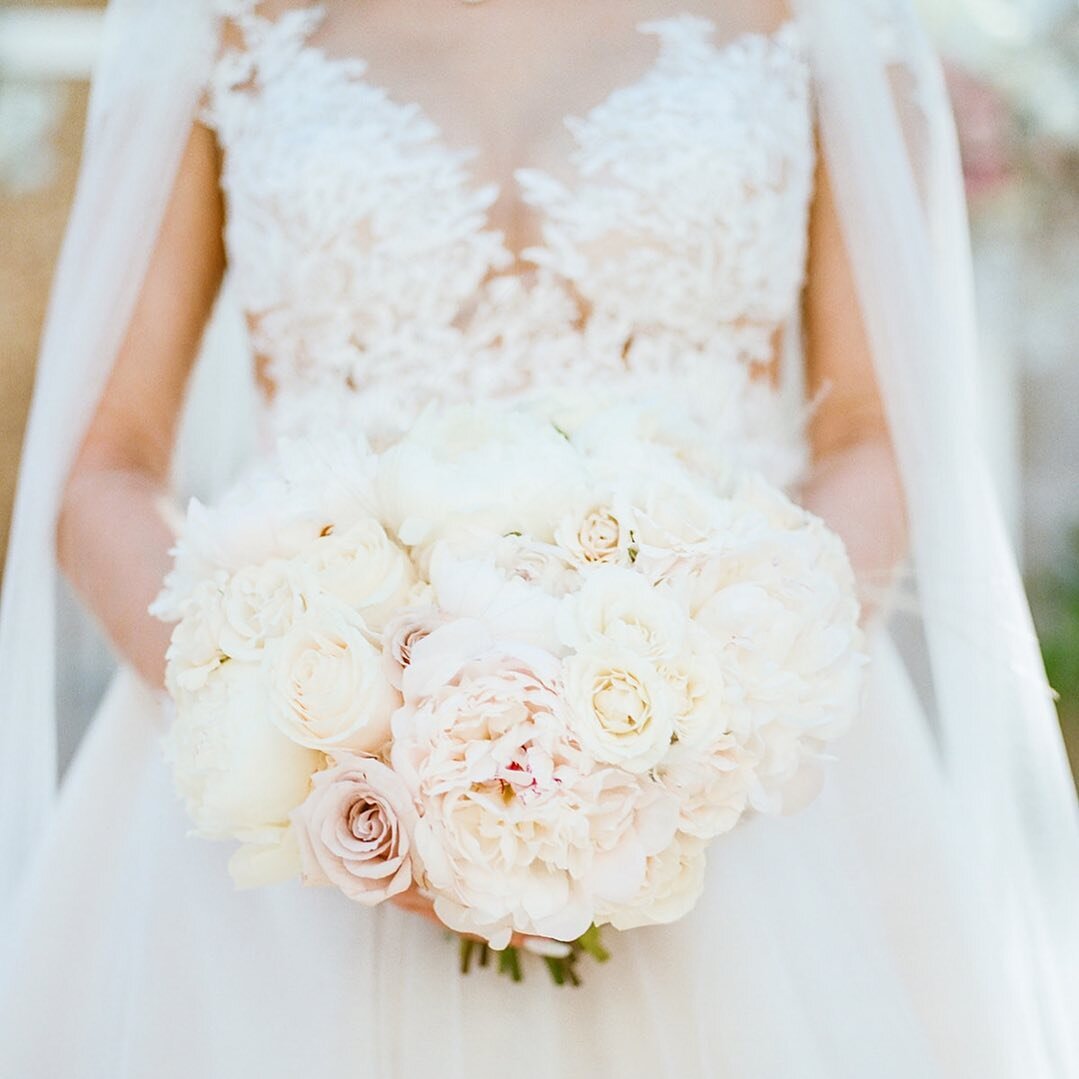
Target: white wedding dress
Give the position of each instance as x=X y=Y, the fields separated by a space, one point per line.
x=673 y=223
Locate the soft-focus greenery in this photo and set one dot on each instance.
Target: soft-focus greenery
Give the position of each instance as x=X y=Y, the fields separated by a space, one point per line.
x=1056 y=603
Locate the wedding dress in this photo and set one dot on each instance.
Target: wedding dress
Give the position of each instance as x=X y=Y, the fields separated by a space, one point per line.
x=834 y=944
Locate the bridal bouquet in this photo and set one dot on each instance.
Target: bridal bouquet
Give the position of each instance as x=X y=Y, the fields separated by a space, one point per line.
x=527 y=661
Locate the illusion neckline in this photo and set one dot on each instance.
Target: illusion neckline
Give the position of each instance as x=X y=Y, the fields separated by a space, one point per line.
x=353 y=68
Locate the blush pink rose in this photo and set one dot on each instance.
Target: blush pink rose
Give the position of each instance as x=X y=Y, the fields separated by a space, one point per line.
x=355 y=830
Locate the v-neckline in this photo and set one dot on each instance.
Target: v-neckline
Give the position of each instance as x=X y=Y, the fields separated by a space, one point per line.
x=355 y=69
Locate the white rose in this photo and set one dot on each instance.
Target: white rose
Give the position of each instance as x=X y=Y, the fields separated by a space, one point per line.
x=619 y=606
x=600 y=533
x=328 y=689
x=620 y=707
x=364 y=568
x=238 y=775
x=677 y=522
x=402 y=633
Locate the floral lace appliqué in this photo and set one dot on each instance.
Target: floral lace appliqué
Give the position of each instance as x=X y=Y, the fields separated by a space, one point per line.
x=374 y=284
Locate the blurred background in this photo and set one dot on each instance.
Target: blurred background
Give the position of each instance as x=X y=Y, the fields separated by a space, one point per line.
x=1013 y=68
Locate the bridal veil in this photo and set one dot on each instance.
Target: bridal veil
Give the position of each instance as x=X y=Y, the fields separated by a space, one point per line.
x=885 y=129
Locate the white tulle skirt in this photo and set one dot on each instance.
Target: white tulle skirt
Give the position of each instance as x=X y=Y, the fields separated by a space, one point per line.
x=830 y=945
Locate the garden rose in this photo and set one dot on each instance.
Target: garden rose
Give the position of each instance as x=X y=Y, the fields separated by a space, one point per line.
x=355 y=830
x=364 y=568
x=619 y=707
x=328 y=689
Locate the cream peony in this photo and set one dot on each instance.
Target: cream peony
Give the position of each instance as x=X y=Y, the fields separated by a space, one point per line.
x=355 y=830
x=504 y=836
x=674 y=880
x=327 y=686
x=238 y=775
x=712 y=785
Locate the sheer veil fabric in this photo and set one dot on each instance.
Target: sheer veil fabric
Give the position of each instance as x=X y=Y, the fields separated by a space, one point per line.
x=885 y=131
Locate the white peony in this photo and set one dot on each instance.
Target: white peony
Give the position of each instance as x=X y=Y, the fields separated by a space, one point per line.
x=674 y=881
x=478 y=464
x=505 y=836
x=617 y=606
x=712 y=785
x=194 y=651
x=238 y=775
x=273 y=859
x=307 y=487
x=328 y=689
x=512 y=586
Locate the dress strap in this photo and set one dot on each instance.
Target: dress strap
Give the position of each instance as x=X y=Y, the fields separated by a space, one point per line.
x=254 y=42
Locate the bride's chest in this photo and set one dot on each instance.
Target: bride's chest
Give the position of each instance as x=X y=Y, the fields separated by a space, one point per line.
x=709 y=142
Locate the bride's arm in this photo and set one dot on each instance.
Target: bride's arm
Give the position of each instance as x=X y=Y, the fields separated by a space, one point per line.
x=854 y=483
x=112 y=538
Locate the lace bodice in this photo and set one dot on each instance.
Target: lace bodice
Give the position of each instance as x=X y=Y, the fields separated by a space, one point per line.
x=374 y=282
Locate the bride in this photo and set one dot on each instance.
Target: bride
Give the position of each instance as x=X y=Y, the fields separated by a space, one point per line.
x=754 y=205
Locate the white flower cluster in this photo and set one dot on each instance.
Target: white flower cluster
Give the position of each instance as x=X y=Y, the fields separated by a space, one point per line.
x=528 y=660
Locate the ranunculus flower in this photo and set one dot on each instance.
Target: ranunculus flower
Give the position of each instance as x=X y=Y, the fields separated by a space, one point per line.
x=355 y=830
x=237 y=773
x=620 y=707
x=328 y=689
